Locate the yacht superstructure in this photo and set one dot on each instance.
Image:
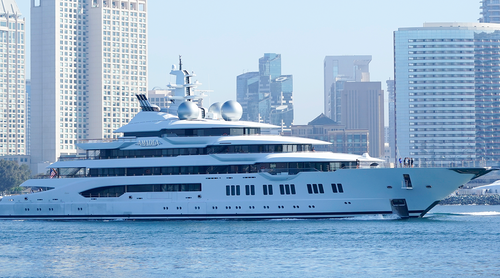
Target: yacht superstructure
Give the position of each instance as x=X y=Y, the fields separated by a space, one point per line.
x=206 y=164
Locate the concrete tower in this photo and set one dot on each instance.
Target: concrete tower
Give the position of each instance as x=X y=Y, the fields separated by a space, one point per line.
x=88 y=61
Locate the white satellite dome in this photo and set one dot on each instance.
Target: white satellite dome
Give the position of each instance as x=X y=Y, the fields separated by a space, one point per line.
x=188 y=111
x=214 y=111
x=231 y=110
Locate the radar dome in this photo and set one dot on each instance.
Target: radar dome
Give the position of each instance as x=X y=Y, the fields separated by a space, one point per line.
x=231 y=110
x=188 y=111
x=214 y=111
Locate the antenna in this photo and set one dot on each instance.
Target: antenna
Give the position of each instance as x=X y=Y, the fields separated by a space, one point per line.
x=180 y=62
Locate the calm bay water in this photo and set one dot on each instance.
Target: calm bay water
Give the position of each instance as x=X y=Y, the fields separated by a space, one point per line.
x=451 y=241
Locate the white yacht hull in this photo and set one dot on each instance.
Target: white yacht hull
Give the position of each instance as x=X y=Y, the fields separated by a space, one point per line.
x=365 y=192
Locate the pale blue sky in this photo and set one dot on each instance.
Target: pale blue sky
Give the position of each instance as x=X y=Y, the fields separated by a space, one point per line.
x=222 y=39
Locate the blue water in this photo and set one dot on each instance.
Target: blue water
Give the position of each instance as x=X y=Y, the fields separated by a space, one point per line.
x=451 y=241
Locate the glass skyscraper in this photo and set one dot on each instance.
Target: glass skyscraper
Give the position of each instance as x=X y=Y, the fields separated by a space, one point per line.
x=447 y=99
x=266 y=95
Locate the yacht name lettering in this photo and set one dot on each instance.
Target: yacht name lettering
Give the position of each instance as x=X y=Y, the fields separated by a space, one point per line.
x=148 y=143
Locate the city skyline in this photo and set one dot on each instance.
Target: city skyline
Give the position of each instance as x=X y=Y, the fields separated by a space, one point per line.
x=221 y=43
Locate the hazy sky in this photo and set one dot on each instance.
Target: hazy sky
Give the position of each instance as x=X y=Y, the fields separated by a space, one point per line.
x=219 y=40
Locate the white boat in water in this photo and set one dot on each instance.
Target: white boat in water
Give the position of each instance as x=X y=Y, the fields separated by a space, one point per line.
x=192 y=163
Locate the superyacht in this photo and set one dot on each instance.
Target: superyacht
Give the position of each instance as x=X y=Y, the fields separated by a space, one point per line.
x=188 y=162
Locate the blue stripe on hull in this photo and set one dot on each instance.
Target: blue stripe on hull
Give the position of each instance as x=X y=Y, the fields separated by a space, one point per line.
x=207 y=216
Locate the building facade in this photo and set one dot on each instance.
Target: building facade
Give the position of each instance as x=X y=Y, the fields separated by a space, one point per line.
x=13 y=102
x=447 y=93
x=490 y=11
x=88 y=61
x=352 y=100
x=363 y=108
x=267 y=95
x=353 y=141
x=391 y=132
x=339 y=69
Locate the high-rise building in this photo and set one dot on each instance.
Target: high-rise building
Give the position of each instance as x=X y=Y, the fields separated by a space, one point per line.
x=12 y=82
x=342 y=68
x=363 y=108
x=391 y=134
x=267 y=95
x=247 y=94
x=88 y=61
x=447 y=93
x=352 y=100
x=28 y=117
x=490 y=11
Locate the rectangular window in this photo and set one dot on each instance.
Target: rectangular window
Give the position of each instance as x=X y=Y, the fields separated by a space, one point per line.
x=287 y=189
x=315 y=188
x=321 y=188
x=293 y=188
x=247 y=190
x=228 y=190
x=341 y=190
x=238 y=190
x=309 y=189
x=233 y=192
x=282 y=189
x=264 y=189
x=252 y=189
x=334 y=188
x=407 y=181
x=270 y=189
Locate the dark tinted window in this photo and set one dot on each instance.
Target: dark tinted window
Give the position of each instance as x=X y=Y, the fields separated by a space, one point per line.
x=334 y=188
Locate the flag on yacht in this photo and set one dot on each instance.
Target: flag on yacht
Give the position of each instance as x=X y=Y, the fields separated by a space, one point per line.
x=53 y=172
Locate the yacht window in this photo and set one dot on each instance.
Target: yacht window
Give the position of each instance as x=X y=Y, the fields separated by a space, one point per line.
x=287 y=189
x=118 y=190
x=249 y=189
x=334 y=188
